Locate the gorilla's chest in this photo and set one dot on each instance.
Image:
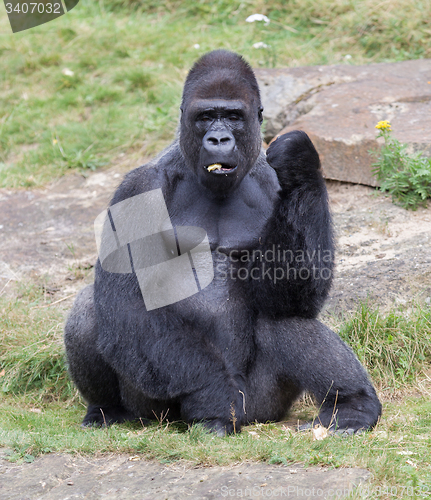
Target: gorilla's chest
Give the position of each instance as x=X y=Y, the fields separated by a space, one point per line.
x=221 y=311
x=235 y=223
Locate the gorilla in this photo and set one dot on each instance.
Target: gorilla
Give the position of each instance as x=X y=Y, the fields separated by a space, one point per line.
x=245 y=346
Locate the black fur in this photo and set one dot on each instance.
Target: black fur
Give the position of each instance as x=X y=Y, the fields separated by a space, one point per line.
x=246 y=346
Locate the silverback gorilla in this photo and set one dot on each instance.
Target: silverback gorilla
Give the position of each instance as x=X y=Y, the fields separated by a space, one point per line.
x=249 y=343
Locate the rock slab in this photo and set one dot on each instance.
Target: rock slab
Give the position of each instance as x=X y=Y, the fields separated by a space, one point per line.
x=60 y=477
x=339 y=106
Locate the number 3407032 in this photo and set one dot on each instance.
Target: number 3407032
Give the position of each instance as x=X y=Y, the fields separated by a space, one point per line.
x=34 y=7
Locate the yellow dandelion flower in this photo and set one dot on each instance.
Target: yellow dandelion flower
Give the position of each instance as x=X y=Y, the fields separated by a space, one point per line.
x=54 y=141
x=384 y=125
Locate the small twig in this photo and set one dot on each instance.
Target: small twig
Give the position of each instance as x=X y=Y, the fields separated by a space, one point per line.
x=162 y=416
x=56 y=302
x=103 y=415
x=234 y=419
x=3 y=289
x=322 y=403
x=243 y=401
x=142 y=423
x=334 y=411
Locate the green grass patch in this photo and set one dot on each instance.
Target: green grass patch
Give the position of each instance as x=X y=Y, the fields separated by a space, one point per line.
x=394 y=346
x=397 y=451
x=31 y=348
x=41 y=411
x=106 y=78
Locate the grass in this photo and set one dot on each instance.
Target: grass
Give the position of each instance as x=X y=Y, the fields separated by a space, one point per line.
x=41 y=410
x=31 y=347
x=385 y=452
x=394 y=347
x=106 y=78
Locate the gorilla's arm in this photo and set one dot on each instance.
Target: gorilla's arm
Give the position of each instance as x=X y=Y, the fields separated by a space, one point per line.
x=299 y=234
x=161 y=353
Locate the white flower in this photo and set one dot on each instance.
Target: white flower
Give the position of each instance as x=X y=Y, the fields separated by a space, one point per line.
x=257 y=17
x=67 y=72
x=260 y=45
x=196 y=46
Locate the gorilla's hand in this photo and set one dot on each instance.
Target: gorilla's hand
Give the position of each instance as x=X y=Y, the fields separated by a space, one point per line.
x=294 y=158
x=236 y=420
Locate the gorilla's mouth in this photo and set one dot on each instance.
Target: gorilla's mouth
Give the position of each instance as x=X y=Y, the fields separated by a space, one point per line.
x=220 y=168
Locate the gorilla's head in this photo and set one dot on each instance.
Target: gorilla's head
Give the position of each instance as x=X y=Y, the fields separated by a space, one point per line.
x=220 y=121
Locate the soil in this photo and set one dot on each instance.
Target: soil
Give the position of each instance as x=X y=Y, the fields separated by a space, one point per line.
x=384 y=256
x=55 y=477
x=384 y=251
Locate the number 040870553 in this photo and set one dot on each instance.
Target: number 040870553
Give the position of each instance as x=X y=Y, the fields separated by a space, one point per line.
x=34 y=7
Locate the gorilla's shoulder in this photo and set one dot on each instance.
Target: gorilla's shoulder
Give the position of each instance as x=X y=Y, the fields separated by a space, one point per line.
x=151 y=175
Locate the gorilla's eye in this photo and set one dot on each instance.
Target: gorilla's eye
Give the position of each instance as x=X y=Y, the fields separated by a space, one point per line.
x=204 y=118
x=234 y=117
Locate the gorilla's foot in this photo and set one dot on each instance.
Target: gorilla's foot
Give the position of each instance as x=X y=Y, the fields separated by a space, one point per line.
x=98 y=416
x=220 y=428
x=355 y=413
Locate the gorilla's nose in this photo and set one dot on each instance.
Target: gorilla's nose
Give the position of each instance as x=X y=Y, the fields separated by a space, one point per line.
x=219 y=141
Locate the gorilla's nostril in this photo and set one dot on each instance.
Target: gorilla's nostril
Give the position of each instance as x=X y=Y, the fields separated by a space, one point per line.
x=215 y=141
x=218 y=139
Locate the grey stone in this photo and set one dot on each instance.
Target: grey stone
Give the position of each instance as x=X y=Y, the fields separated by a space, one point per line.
x=339 y=106
x=58 y=477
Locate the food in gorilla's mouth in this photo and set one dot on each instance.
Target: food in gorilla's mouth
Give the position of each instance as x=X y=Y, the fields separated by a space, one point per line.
x=220 y=167
x=215 y=166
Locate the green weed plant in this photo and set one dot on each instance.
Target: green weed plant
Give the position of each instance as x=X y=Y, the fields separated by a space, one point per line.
x=406 y=177
x=32 y=358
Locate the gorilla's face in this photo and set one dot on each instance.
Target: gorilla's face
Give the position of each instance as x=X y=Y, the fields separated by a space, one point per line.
x=220 y=139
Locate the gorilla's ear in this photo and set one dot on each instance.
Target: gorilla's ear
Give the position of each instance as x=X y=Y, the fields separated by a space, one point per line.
x=259 y=115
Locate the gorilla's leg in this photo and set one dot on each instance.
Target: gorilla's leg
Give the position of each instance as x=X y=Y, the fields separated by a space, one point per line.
x=146 y=408
x=300 y=354
x=96 y=381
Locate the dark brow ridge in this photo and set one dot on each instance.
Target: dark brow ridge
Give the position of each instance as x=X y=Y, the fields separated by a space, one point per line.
x=233 y=106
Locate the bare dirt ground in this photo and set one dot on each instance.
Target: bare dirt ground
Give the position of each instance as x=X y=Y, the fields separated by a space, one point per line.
x=384 y=252
x=55 y=477
x=46 y=236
